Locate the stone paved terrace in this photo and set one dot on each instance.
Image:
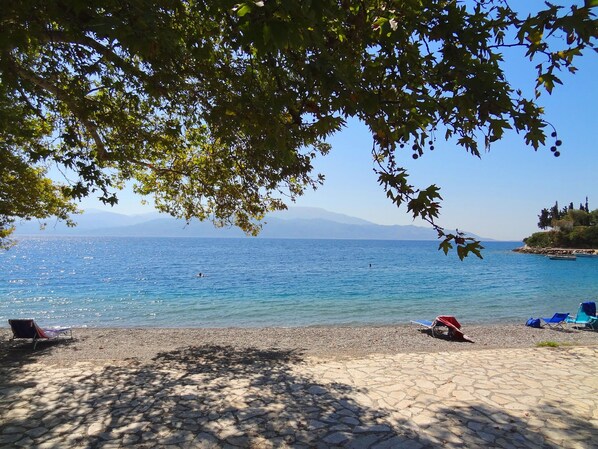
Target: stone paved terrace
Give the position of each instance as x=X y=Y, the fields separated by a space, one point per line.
x=219 y=397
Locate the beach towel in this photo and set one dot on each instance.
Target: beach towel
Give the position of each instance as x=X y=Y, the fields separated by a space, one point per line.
x=589 y=308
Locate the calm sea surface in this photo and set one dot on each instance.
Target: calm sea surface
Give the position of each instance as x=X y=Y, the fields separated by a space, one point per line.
x=124 y=282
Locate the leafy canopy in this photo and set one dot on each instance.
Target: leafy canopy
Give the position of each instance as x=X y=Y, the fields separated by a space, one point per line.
x=217 y=108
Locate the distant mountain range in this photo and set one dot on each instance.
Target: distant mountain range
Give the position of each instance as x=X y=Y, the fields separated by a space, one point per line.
x=294 y=223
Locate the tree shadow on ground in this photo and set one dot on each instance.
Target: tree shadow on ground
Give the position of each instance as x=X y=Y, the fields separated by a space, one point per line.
x=548 y=426
x=19 y=351
x=222 y=397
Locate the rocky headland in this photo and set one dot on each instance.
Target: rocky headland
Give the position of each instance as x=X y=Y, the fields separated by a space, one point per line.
x=556 y=251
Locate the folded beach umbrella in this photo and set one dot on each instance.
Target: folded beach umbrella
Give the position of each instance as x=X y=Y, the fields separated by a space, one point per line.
x=454 y=327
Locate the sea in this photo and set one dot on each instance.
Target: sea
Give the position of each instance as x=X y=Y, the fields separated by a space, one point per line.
x=257 y=282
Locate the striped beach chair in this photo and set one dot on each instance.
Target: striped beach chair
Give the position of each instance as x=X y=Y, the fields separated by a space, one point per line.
x=28 y=329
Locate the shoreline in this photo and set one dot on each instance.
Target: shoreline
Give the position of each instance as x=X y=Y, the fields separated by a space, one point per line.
x=555 y=251
x=324 y=342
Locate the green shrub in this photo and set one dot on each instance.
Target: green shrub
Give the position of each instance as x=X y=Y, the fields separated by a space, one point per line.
x=577 y=237
x=547 y=344
x=580 y=237
x=553 y=344
x=540 y=239
x=572 y=228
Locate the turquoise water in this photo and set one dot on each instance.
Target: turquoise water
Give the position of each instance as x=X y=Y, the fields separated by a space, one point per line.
x=121 y=282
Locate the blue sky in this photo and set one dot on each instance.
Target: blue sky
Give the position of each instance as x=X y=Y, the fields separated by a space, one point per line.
x=498 y=196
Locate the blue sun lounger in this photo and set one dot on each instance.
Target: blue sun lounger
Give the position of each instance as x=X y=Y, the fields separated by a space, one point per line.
x=424 y=323
x=427 y=324
x=586 y=311
x=557 y=320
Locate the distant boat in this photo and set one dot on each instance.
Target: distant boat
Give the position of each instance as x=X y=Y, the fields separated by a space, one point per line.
x=562 y=257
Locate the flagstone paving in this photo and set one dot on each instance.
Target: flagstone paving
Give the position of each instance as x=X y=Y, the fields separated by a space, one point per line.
x=220 y=397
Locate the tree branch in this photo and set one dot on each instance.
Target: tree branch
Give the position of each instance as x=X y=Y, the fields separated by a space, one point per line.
x=66 y=99
x=105 y=52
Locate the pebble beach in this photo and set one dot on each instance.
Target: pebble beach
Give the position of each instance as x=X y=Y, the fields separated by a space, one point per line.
x=312 y=387
x=324 y=342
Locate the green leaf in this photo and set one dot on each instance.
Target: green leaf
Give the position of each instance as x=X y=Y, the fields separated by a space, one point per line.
x=243 y=10
x=267 y=33
x=445 y=246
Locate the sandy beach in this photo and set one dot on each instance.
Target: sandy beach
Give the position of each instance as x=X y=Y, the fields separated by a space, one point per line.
x=315 y=387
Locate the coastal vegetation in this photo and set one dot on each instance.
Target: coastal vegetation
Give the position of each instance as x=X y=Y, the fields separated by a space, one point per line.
x=216 y=109
x=570 y=228
x=553 y=344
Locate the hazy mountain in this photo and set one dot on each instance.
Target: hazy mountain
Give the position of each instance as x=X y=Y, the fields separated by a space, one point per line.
x=297 y=222
x=91 y=219
x=316 y=228
x=315 y=213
